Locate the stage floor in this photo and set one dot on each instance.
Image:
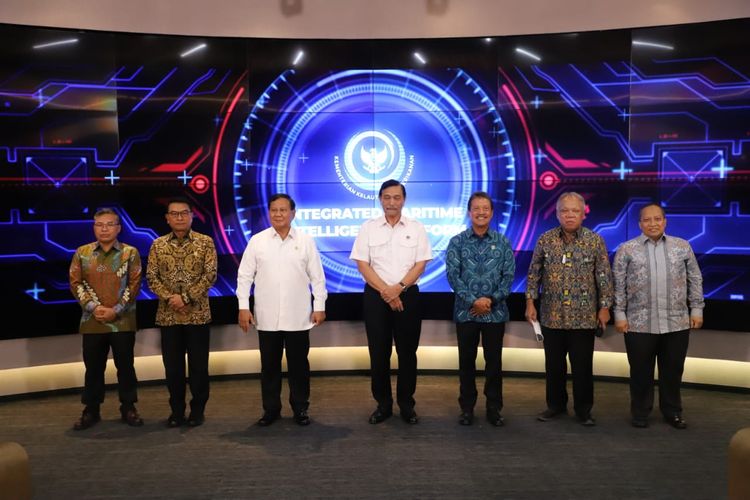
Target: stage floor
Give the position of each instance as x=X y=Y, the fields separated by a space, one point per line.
x=340 y=455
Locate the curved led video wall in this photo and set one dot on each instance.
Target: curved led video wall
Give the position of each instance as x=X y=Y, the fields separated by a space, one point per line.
x=623 y=117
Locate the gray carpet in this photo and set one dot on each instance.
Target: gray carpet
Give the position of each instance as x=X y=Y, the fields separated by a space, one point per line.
x=342 y=456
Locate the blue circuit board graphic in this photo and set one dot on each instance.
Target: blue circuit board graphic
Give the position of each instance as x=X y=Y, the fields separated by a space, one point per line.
x=79 y=135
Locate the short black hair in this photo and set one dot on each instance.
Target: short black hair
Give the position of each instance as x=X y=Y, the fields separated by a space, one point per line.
x=280 y=196
x=652 y=204
x=481 y=195
x=180 y=199
x=391 y=183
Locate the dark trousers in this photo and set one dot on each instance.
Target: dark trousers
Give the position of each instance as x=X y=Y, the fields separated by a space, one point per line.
x=176 y=341
x=272 y=346
x=492 y=344
x=383 y=326
x=95 y=350
x=669 y=351
x=579 y=346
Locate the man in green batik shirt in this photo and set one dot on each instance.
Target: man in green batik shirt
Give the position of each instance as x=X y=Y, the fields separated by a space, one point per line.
x=105 y=277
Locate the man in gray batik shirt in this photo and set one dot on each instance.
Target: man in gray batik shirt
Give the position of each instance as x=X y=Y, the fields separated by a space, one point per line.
x=658 y=299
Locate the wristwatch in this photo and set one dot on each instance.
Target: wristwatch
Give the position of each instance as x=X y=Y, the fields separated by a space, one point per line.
x=404 y=286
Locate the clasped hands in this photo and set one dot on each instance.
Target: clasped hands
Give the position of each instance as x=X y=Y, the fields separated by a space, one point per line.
x=104 y=314
x=176 y=303
x=481 y=306
x=392 y=296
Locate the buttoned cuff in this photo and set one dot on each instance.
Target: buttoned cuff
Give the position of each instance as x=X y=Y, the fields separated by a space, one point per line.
x=319 y=305
x=90 y=306
x=620 y=316
x=696 y=313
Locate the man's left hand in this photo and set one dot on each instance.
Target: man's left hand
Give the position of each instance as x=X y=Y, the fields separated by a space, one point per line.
x=176 y=302
x=396 y=305
x=603 y=316
x=390 y=293
x=105 y=314
x=696 y=322
x=318 y=317
x=481 y=306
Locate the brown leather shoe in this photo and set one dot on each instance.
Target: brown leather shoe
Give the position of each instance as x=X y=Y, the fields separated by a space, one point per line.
x=88 y=419
x=132 y=418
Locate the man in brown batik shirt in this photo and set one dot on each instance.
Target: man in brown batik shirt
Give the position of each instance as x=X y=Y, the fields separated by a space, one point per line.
x=181 y=270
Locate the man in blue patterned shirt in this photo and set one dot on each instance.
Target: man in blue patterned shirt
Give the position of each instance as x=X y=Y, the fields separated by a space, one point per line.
x=658 y=299
x=480 y=268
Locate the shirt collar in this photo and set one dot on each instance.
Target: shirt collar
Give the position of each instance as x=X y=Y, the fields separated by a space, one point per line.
x=382 y=221
x=645 y=239
x=577 y=234
x=117 y=246
x=189 y=236
x=490 y=234
x=292 y=233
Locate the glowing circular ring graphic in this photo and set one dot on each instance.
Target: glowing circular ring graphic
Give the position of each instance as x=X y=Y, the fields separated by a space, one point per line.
x=458 y=131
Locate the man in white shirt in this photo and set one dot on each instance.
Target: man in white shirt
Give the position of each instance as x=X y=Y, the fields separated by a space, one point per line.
x=283 y=263
x=391 y=252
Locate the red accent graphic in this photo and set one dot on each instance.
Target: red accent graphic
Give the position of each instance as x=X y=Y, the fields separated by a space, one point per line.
x=548 y=181
x=200 y=184
x=178 y=167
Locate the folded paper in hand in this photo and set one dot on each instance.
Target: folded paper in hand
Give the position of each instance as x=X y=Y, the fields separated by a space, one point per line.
x=537 y=331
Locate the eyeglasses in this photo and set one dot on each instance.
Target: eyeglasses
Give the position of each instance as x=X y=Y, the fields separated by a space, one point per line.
x=183 y=213
x=108 y=225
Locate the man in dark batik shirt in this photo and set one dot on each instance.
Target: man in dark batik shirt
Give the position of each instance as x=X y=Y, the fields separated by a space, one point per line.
x=570 y=263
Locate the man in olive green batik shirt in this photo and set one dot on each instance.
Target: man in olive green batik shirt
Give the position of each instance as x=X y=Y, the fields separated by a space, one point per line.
x=105 y=278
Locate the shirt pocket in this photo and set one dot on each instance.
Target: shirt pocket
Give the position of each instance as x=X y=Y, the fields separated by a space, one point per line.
x=407 y=248
x=378 y=246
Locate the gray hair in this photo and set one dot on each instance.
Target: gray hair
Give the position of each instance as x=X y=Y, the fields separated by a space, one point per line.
x=570 y=194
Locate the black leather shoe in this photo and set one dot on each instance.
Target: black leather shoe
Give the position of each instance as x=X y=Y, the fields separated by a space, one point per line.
x=549 y=414
x=410 y=417
x=639 y=422
x=196 y=420
x=676 y=422
x=131 y=417
x=379 y=416
x=587 y=420
x=302 y=418
x=88 y=419
x=466 y=418
x=267 y=419
x=175 y=421
x=494 y=417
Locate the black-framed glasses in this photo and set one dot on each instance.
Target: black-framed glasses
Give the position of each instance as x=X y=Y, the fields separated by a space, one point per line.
x=182 y=213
